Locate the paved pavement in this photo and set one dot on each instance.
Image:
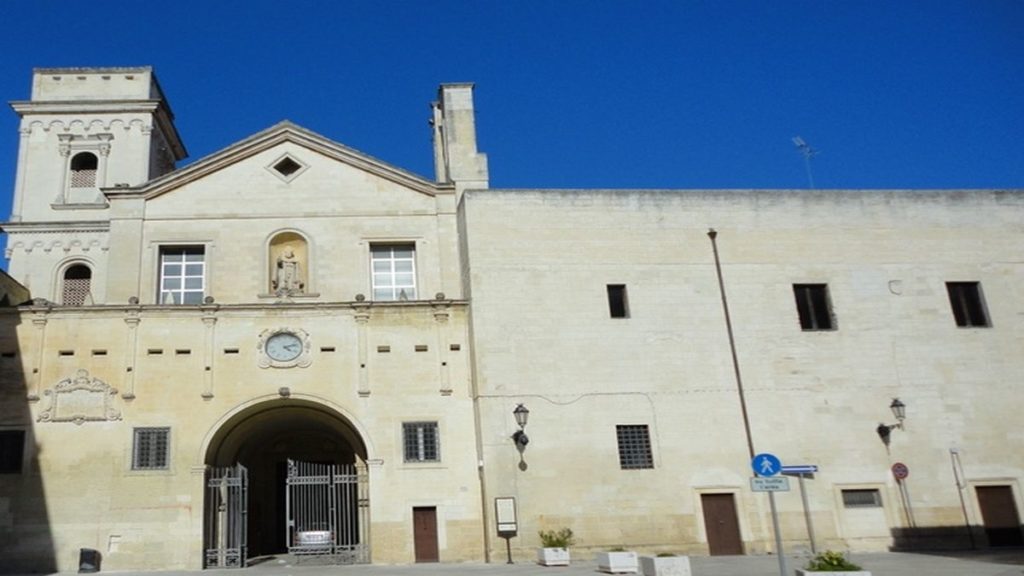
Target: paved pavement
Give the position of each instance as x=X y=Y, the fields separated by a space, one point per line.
x=1000 y=563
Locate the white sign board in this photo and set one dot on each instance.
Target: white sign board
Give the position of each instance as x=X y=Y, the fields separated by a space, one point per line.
x=505 y=513
x=774 y=484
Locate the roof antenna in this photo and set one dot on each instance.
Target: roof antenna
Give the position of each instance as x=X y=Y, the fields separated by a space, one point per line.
x=807 y=152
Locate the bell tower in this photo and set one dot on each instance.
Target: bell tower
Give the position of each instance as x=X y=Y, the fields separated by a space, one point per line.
x=86 y=129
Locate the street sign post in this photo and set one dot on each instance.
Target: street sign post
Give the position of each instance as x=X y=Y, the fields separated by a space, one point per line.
x=765 y=466
x=803 y=471
x=769 y=484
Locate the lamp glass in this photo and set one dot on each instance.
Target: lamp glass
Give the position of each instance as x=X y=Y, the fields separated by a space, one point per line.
x=522 y=414
x=899 y=409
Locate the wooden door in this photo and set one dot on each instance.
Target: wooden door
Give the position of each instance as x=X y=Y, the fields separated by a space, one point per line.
x=999 y=513
x=721 y=524
x=424 y=534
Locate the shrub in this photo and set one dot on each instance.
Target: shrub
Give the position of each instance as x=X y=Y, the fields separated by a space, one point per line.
x=666 y=555
x=560 y=539
x=829 y=561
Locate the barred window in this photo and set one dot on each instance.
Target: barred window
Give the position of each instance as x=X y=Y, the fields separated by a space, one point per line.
x=862 y=498
x=421 y=442
x=12 y=451
x=151 y=448
x=83 y=170
x=77 y=284
x=634 y=447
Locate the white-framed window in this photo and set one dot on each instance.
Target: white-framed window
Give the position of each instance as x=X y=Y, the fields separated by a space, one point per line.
x=76 y=285
x=393 y=268
x=151 y=449
x=420 y=441
x=634 y=446
x=182 y=274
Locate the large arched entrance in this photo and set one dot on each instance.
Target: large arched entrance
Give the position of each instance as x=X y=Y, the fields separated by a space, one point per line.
x=298 y=471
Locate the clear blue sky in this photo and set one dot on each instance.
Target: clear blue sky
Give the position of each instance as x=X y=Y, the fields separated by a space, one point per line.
x=681 y=94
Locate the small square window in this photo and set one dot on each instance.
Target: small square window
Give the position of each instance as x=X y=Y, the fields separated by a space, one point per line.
x=12 y=451
x=421 y=442
x=968 y=304
x=618 y=304
x=814 y=307
x=151 y=448
x=862 y=498
x=634 y=447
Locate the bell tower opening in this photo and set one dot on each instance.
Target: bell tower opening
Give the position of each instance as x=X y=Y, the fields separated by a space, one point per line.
x=276 y=444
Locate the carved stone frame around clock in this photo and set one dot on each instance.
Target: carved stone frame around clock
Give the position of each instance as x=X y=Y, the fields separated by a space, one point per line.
x=302 y=360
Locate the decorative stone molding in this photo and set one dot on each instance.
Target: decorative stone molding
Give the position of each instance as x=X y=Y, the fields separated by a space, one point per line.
x=80 y=399
x=302 y=360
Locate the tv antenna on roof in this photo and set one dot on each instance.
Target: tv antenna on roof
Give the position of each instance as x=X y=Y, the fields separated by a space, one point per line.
x=807 y=152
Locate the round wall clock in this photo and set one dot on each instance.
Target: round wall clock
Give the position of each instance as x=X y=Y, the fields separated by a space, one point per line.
x=284 y=347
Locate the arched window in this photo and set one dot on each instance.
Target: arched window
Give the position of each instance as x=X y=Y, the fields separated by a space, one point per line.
x=83 y=170
x=77 y=283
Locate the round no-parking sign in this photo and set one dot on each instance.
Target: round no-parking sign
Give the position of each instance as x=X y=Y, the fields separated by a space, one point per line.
x=900 y=470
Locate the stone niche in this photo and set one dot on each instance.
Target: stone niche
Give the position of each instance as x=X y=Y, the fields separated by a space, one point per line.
x=80 y=399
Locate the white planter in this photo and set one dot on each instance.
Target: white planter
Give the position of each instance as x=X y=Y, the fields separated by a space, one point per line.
x=665 y=565
x=553 y=556
x=617 y=562
x=802 y=572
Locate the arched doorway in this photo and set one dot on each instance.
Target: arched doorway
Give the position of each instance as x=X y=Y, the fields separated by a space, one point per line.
x=305 y=470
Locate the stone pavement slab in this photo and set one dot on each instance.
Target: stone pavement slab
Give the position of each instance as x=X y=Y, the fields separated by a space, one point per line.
x=1001 y=563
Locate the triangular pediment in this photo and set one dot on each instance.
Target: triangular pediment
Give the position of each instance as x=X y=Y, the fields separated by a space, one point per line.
x=281 y=133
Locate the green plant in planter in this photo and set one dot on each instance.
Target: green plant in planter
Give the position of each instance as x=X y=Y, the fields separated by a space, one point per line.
x=561 y=539
x=666 y=555
x=830 y=561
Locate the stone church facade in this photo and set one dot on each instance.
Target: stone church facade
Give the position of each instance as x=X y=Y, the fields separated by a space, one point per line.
x=290 y=345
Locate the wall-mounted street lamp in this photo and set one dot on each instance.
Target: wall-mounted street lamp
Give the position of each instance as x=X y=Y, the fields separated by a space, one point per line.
x=522 y=414
x=899 y=410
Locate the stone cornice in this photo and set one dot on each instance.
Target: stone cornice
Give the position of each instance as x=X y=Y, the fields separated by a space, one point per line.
x=55 y=227
x=200 y=311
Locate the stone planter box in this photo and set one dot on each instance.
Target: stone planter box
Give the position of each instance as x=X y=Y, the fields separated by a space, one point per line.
x=617 y=562
x=553 y=556
x=802 y=572
x=665 y=565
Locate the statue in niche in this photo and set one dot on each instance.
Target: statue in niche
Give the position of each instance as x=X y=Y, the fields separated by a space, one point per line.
x=288 y=274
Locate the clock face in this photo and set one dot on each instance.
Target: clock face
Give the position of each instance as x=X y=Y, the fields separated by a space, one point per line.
x=284 y=347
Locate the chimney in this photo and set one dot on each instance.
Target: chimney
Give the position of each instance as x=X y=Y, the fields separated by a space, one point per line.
x=456 y=159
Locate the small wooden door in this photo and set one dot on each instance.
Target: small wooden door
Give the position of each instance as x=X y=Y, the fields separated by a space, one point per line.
x=721 y=524
x=424 y=534
x=999 y=513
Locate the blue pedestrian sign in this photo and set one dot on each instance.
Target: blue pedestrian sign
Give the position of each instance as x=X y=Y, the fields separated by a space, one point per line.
x=765 y=464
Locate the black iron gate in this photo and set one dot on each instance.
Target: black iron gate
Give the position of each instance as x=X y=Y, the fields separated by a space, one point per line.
x=227 y=505
x=327 y=508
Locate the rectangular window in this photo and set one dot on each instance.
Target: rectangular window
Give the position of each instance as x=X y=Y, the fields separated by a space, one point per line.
x=151 y=448
x=862 y=498
x=634 y=447
x=618 y=304
x=813 y=306
x=393 y=267
x=182 y=274
x=968 y=305
x=421 y=442
x=12 y=451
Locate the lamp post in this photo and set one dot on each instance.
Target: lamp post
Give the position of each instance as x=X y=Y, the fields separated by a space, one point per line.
x=899 y=411
x=522 y=415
